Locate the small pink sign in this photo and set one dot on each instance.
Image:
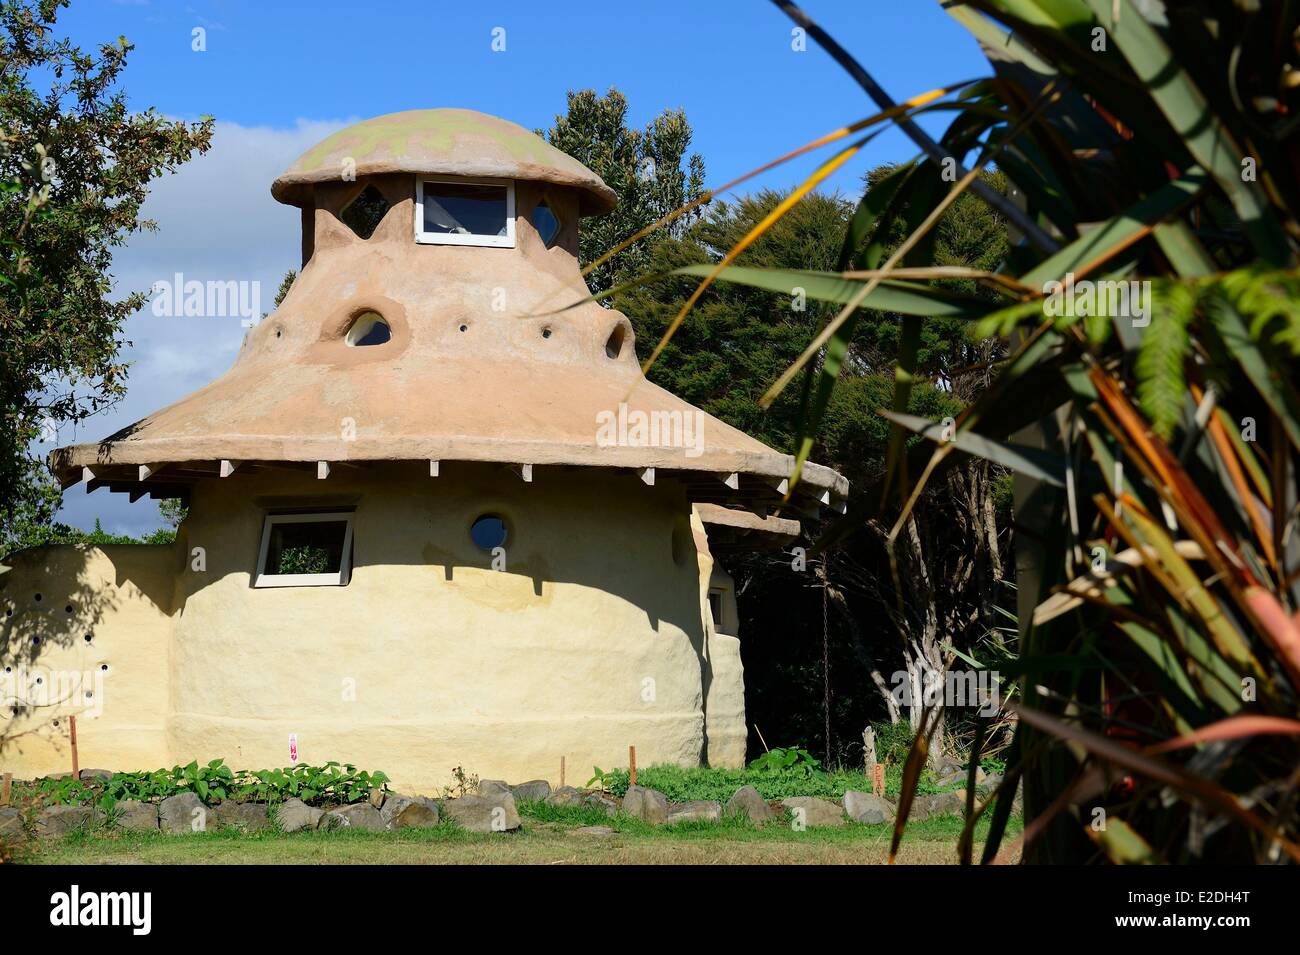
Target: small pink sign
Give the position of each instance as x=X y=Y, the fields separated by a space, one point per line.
x=293 y=749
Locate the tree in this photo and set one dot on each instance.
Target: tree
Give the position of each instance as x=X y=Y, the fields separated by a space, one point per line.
x=734 y=343
x=648 y=169
x=75 y=166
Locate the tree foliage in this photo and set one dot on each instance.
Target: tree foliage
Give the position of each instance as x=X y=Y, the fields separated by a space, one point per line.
x=75 y=167
x=649 y=169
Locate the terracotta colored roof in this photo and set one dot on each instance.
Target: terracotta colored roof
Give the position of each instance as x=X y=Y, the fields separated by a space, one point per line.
x=458 y=142
x=496 y=355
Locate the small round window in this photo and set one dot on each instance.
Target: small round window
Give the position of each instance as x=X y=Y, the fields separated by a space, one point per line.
x=488 y=532
x=368 y=328
x=546 y=223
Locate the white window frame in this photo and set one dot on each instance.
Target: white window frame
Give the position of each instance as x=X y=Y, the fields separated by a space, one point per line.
x=339 y=579
x=506 y=241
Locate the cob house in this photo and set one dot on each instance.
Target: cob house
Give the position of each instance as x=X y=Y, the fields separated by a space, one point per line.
x=435 y=518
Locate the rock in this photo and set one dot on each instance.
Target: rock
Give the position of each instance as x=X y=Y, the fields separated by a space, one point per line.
x=748 y=802
x=696 y=810
x=359 y=815
x=597 y=801
x=184 y=813
x=946 y=765
x=648 y=805
x=248 y=816
x=294 y=815
x=408 y=812
x=868 y=808
x=592 y=831
x=990 y=783
x=811 y=811
x=483 y=813
x=938 y=804
x=492 y=787
x=947 y=779
x=566 y=796
x=535 y=790
x=135 y=816
x=11 y=824
x=377 y=797
x=95 y=774
x=55 y=821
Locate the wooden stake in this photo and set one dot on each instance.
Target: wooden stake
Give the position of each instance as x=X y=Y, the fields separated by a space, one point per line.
x=631 y=762
x=72 y=733
x=5 y=785
x=561 y=772
x=879 y=781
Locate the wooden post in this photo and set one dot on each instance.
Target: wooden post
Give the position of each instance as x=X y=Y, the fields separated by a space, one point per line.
x=631 y=763
x=5 y=785
x=879 y=781
x=72 y=733
x=561 y=772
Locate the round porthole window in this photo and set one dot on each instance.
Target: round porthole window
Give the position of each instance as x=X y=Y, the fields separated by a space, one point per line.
x=489 y=532
x=368 y=328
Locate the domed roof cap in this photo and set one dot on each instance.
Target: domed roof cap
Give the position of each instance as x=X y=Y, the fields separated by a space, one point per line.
x=454 y=142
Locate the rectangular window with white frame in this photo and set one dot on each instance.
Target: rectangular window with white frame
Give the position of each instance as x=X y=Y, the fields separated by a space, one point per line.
x=465 y=212
x=305 y=550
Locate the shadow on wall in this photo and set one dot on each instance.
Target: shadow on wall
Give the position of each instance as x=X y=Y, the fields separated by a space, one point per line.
x=52 y=601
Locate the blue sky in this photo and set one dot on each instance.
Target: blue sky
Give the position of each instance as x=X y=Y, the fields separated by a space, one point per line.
x=278 y=76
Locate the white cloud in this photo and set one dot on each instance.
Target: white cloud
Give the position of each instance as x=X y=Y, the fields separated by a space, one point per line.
x=216 y=222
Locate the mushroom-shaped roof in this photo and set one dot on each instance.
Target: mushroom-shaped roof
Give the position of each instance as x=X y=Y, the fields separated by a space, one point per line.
x=492 y=354
x=455 y=142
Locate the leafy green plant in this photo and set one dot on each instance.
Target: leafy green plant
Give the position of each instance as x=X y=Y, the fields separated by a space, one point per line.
x=1156 y=451
x=332 y=783
x=606 y=782
x=790 y=759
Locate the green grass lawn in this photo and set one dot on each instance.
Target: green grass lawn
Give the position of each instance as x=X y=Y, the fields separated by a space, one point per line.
x=549 y=835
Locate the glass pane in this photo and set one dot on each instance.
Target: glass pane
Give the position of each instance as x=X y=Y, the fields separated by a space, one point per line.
x=464 y=209
x=545 y=223
x=306 y=548
x=488 y=531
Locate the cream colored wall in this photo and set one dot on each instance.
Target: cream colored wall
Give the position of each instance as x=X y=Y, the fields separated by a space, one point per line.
x=121 y=598
x=591 y=640
x=429 y=659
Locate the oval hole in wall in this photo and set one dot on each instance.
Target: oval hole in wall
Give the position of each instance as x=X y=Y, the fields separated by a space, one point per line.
x=614 y=344
x=368 y=328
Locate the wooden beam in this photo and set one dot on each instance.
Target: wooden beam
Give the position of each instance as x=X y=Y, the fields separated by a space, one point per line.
x=227 y=468
x=322 y=470
x=146 y=470
x=647 y=475
x=780 y=485
x=433 y=468
x=87 y=475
